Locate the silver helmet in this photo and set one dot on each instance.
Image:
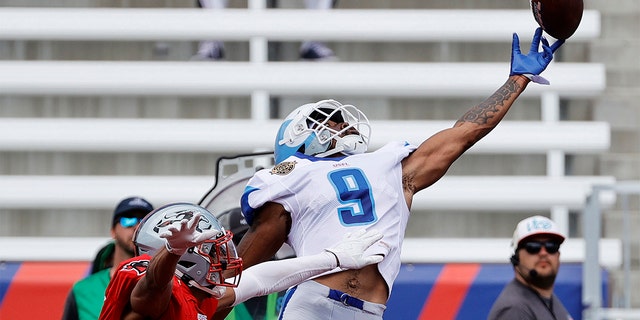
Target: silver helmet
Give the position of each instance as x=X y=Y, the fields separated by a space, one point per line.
x=201 y=266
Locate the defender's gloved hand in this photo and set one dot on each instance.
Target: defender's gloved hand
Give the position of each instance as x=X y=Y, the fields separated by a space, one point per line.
x=532 y=64
x=351 y=251
x=218 y=291
x=186 y=235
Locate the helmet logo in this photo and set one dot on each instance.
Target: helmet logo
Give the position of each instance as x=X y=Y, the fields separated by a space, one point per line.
x=284 y=168
x=138 y=266
x=202 y=265
x=173 y=217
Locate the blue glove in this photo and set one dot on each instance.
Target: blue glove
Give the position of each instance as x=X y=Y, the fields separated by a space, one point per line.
x=532 y=64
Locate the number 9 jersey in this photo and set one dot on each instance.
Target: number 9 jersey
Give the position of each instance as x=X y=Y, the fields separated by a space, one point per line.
x=328 y=197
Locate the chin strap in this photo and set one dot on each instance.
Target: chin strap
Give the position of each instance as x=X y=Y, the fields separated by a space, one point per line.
x=330 y=152
x=350 y=144
x=217 y=291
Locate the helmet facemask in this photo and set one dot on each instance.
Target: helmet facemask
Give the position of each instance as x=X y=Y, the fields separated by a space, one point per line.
x=307 y=130
x=223 y=257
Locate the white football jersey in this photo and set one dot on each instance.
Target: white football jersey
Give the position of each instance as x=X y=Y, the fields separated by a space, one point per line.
x=329 y=197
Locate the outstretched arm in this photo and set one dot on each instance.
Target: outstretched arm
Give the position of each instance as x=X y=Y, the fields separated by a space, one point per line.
x=269 y=230
x=275 y=276
x=434 y=156
x=151 y=295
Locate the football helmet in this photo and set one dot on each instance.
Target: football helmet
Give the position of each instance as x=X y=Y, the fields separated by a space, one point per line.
x=306 y=130
x=201 y=266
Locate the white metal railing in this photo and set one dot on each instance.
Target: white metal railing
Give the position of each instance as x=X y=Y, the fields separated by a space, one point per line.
x=491 y=193
x=141 y=24
x=286 y=78
x=224 y=135
x=592 y=222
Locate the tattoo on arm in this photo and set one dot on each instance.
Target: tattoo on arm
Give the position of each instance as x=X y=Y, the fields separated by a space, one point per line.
x=492 y=106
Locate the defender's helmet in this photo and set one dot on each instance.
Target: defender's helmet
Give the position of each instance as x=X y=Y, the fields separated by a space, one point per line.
x=305 y=130
x=201 y=266
x=235 y=222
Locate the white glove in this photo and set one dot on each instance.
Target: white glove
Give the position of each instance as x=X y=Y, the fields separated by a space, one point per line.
x=351 y=251
x=218 y=291
x=186 y=235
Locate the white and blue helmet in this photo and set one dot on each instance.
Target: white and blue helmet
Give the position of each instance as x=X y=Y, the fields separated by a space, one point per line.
x=305 y=130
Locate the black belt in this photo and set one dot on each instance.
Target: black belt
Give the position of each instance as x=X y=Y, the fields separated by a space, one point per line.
x=346 y=299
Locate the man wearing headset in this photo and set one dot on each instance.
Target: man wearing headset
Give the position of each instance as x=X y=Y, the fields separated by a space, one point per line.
x=536 y=260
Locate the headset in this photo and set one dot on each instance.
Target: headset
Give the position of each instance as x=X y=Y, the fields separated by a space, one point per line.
x=515 y=261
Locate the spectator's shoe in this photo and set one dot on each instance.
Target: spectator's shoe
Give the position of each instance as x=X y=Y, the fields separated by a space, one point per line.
x=316 y=51
x=211 y=51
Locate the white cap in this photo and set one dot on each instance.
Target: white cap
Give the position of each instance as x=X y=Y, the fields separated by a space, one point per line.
x=532 y=226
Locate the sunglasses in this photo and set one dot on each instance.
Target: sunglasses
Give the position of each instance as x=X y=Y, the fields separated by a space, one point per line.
x=129 y=222
x=533 y=247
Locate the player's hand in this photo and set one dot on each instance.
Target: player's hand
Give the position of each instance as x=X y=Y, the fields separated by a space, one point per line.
x=351 y=251
x=185 y=234
x=218 y=292
x=532 y=64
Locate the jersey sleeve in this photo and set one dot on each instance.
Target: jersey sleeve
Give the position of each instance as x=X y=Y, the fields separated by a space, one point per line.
x=401 y=149
x=121 y=285
x=264 y=187
x=254 y=187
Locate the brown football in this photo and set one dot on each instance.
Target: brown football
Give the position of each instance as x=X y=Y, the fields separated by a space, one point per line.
x=558 y=18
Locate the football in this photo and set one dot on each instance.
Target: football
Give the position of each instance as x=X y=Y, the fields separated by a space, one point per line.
x=558 y=18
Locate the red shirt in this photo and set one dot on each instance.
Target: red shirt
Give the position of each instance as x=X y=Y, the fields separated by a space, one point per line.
x=183 y=305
